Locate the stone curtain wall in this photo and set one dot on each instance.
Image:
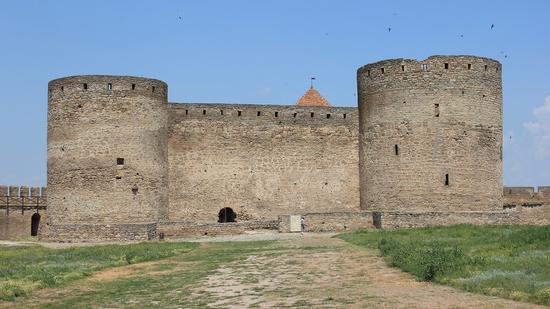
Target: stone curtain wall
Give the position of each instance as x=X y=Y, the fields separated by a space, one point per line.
x=431 y=134
x=533 y=205
x=17 y=207
x=107 y=153
x=261 y=160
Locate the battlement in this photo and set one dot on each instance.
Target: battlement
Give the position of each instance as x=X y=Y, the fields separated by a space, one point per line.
x=433 y=65
x=22 y=191
x=83 y=86
x=256 y=112
x=527 y=191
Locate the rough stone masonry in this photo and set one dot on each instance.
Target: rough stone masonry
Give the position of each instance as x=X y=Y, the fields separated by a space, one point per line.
x=124 y=164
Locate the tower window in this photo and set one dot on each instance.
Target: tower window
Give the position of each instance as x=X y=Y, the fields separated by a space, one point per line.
x=294 y=115
x=239 y=113
x=382 y=70
x=153 y=89
x=85 y=86
x=312 y=114
x=396 y=148
x=424 y=67
x=276 y=114
x=119 y=161
x=344 y=116
x=204 y=112
x=62 y=88
x=258 y=113
x=436 y=110
x=446 y=179
x=485 y=67
x=133 y=86
x=469 y=66
x=368 y=72
x=402 y=68
x=186 y=111
x=446 y=66
x=109 y=86
x=221 y=112
x=328 y=116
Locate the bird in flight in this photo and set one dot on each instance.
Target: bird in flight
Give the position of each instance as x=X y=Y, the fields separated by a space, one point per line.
x=389 y=29
x=492 y=26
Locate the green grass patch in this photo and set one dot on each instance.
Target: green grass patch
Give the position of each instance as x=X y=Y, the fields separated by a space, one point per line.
x=506 y=261
x=23 y=269
x=164 y=289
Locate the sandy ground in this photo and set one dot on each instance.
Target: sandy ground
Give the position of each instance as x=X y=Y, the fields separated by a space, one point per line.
x=312 y=270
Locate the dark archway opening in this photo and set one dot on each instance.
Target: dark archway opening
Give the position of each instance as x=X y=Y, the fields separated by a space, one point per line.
x=226 y=215
x=35 y=221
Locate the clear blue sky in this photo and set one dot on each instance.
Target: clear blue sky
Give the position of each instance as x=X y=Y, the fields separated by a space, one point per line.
x=265 y=52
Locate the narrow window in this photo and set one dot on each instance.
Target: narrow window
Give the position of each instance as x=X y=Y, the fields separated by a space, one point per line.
x=485 y=67
x=109 y=86
x=404 y=102
x=204 y=112
x=294 y=115
x=239 y=113
x=446 y=66
x=118 y=177
x=328 y=116
x=62 y=88
x=85 y=86
x=368 y=72
x=119 y=161
x=344 y=116
x=186 y=111
x=396 y=150
x=133 y=86
x=436 y=110
x=446 y=179
x=469 y=66
x=424 y=67
x=258 y=113
x=312 y=114
x=382 y=70
x=462 y=91
x=276 y=114
x=496 y=69
x=221 y=112
x=403 y=68
x=153 y=89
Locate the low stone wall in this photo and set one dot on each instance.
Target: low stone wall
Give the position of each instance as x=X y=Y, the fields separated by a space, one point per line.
x=393 y=220
x=174 y=228
x=330 y=222
x=342 y=221
x=98 y=232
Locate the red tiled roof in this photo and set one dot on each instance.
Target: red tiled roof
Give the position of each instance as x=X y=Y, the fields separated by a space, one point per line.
x=312 y=98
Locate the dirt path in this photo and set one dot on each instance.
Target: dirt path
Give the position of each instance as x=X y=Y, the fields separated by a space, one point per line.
x=324 y=272
x=310 y=271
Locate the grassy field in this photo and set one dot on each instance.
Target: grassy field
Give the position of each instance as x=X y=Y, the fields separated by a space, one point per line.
x=507 y=261
x=23 y=269
x=165 y=283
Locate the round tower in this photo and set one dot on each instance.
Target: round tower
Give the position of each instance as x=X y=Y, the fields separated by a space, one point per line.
x=107 y=158
x=431 y=134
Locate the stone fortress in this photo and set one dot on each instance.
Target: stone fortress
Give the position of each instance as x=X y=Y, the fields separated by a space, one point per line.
x=423 y=148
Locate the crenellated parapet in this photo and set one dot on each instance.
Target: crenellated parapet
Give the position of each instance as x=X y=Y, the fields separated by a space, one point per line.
x=527 y=197
x=21 y=199
x=22 y=191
